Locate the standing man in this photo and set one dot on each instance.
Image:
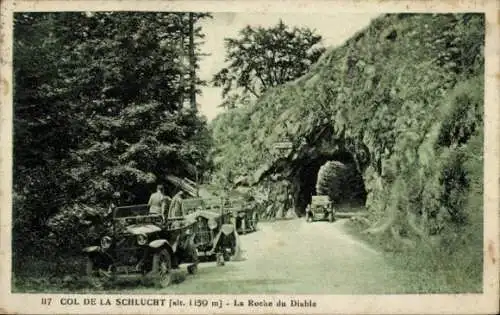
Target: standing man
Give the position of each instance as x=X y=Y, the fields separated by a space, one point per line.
x=157 y=201
x=289 y=206
x=175 y=209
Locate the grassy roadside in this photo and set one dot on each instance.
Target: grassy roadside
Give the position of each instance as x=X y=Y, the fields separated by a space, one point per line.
x=453 y=266
x=36 y=274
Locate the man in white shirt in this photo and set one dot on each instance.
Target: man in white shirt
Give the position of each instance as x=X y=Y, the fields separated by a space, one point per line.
x=157 y=201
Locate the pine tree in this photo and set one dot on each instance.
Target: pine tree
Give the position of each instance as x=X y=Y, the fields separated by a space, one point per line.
x=98 y=109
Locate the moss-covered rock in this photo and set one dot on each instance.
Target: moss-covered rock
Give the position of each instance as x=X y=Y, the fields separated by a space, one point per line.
x=401 y=100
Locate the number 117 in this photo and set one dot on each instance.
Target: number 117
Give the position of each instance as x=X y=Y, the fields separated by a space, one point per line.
x=46 y=301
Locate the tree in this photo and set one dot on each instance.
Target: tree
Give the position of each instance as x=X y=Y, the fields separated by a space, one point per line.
x=139 y=129
x=192 y=63
x=44 y=109
x=261 y=58
x=98 y=108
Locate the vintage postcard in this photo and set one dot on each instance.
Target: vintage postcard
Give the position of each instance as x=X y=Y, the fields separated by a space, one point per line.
x=263 y=157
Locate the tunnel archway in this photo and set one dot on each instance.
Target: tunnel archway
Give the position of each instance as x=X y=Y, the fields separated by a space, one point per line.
x=304 y=182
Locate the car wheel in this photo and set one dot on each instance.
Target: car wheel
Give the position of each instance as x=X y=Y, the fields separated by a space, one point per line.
x=226 y=256
x=195 y=259
x=220 y=259
x=193 y=252
x=162 y=268
x=192 y=269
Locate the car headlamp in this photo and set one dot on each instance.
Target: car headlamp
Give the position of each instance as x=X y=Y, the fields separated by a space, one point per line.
x=212 y=224
x=142 y=239
x=106 y=242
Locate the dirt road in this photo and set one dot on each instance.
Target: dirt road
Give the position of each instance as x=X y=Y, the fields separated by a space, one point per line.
x=296 y=257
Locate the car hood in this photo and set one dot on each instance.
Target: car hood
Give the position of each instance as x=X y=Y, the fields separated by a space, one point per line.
x=142 y=229
x=204 y=214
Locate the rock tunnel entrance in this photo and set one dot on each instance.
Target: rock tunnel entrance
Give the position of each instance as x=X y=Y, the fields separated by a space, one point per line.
x=338 y=178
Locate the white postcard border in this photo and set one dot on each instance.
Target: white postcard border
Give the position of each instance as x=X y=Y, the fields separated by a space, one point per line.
x=341 y=304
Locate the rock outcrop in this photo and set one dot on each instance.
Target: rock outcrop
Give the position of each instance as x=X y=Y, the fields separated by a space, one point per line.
x=401 y=101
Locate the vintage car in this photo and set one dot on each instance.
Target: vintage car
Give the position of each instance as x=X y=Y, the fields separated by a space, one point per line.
x=245 y=216
x=142 y=244
x=320 y=208
x=213 y=231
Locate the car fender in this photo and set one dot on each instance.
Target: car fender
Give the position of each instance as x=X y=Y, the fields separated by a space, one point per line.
x=227 y=229
x=158 y=243
x=161 y=243
x=138 y=229
x=92 y=249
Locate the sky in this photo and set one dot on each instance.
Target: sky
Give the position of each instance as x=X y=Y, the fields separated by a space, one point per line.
x=335 y=28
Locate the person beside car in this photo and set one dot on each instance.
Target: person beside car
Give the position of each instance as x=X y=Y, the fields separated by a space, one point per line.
x=157 y=201
x=175 y=209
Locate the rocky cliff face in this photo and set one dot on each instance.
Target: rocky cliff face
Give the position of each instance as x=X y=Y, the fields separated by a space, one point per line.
x=401 y=101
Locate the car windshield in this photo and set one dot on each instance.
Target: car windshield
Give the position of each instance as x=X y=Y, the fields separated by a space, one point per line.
x=131 y=211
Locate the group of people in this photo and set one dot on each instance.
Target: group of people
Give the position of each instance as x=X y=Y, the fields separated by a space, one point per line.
x=158 y=203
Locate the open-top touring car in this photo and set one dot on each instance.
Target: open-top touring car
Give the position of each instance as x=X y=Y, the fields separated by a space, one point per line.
x=214 y=234
x=320 y=208
x=143 y=244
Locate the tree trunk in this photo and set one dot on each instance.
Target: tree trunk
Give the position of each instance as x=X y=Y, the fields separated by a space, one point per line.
x=182 y=67
x=192 y=64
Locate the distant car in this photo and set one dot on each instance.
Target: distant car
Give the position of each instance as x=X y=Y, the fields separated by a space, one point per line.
x=320 y=208
x=142 y=244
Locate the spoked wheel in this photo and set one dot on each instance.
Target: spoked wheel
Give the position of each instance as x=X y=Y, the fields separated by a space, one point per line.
x=162 y=268
x=193 y=268
x=220 y=259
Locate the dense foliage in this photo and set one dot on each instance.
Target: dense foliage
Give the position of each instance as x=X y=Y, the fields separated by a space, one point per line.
x=340 y=183
x=261 y=58
x=404 y=98
x=98 y=109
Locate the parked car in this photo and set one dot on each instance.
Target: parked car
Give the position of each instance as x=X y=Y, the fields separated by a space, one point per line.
x=225 y=243
x=320 y=208
x=142 y=244
x=244 y=214
x=213 y=230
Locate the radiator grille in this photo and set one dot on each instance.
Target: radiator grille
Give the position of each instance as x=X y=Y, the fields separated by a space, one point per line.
x=202 y=233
